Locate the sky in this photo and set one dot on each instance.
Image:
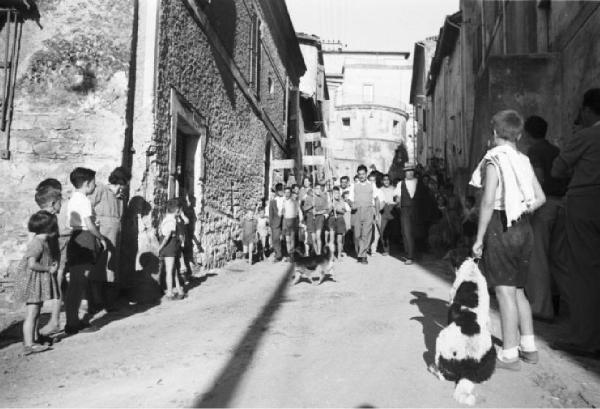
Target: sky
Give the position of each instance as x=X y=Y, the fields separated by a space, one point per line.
x=378 y=25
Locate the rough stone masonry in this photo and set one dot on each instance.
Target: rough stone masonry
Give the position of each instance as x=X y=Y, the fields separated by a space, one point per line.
x=78 y=103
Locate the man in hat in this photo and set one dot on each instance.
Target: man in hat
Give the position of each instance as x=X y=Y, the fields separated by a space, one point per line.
x=412 y=197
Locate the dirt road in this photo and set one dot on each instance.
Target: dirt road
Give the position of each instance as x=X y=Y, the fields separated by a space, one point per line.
x=247 y=338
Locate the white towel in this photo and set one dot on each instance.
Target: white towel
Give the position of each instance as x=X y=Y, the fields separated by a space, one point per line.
x=515 y=175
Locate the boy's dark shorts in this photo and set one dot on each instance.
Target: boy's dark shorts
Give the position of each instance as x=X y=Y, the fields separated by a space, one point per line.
x=319 y=222
x=171 y=249
x=290 y=226
x=337 y=224
x=506 y=252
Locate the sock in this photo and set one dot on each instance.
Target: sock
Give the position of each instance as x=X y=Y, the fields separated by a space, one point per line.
x=528 y=343
x=509 y=354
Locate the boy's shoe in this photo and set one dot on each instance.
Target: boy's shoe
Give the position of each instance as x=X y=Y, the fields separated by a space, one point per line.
x=364 y=261
x=514 y=365
x=531 y=357
x=82 y=328
x=408 y=262
x=34 y=349
x=46 y=340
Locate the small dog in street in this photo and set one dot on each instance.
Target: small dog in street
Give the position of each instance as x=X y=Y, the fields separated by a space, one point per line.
x=321 y=264
x=464 y=350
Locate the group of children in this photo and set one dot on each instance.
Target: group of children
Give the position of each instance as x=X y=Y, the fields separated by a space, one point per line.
x=305 y=215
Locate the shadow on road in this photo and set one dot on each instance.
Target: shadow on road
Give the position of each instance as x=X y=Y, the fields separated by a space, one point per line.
x=435 y=317
x=549 y=332
x=226 y=383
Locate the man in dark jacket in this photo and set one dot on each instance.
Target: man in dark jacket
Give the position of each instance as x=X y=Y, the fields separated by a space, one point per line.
x=581 y=157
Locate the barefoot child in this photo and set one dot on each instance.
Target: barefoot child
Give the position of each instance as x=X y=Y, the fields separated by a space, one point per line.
x=249 y=234
x=37 y=280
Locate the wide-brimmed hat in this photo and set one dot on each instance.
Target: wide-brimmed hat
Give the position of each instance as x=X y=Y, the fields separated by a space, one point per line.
x=409 y=166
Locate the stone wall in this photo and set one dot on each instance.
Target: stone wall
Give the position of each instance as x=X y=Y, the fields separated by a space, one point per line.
x=69 y=105
x=236 y=137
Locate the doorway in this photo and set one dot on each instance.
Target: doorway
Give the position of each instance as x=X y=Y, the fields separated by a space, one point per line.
x=186 y=161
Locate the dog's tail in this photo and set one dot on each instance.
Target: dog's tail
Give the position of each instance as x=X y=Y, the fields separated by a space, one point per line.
x=463 y=393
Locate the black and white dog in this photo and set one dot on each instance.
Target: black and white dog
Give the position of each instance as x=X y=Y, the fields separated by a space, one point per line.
x=464 y=351
x=319 y=263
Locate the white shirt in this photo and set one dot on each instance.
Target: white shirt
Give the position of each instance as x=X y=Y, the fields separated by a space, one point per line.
x=279 y=200
x=386 y=195
x=168 y=225
x=411 y=186
x=78 y=208
x=375 y=190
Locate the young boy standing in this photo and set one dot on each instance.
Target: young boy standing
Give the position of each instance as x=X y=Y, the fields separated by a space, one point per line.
x=321 y=209
x=83 y=249
x=337 y=224
x=262 y=228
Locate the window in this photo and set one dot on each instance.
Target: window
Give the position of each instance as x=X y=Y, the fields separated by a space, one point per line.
x=368 y=93
x=271 y=86
x=395 y=127
x=255 y=54
x=346 y=122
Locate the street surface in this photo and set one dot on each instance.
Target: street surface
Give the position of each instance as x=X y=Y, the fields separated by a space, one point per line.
x=246 y=337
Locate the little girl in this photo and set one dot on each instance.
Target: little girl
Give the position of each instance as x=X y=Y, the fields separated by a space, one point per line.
x=170 y=248
x=37 y=280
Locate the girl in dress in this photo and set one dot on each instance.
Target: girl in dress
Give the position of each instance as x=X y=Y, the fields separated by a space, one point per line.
x=37 y=280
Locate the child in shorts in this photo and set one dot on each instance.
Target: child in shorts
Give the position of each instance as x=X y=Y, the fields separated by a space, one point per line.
x=170 y=248
x=249 y=227
x=337 y=224
x=262 y=229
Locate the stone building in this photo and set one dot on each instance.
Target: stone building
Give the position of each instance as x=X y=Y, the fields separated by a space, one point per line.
x=191 y=95
x=536 y=56
x=369 y=109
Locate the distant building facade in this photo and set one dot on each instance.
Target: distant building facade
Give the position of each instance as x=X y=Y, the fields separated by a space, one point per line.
x=369 y=108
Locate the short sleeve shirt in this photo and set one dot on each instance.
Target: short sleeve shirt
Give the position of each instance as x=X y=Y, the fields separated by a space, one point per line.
x=78 y=208
x=168 y=226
